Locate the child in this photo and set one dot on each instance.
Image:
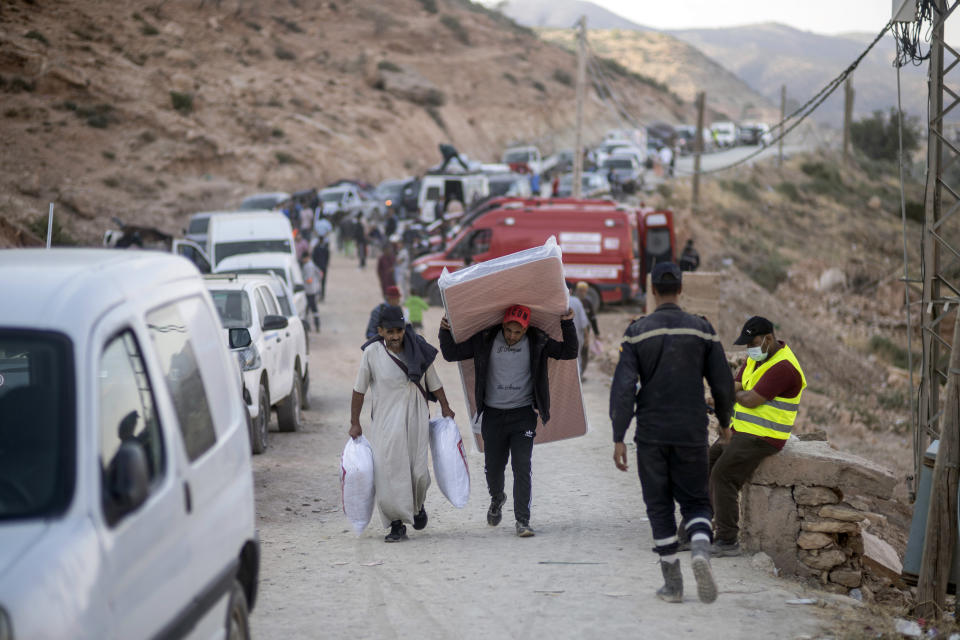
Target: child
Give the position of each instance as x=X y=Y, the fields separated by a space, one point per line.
x=416 y=306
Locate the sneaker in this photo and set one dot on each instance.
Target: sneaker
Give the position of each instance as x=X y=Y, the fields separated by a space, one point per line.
x=398 y=532
x=495 y=512
x=420 y=520
x=702 y=572
x=721 y=549
x=524 y=530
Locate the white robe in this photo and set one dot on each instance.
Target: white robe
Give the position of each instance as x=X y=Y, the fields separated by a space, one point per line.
x=399 y=433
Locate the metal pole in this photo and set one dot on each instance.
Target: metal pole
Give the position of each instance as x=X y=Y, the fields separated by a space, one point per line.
x=581 y=89
x=698 y=149
x=783 y=114
x=847 y=116
x=50 y=226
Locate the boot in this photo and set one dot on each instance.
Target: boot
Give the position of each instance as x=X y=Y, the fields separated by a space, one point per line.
x=672 y=589
x=700 y=559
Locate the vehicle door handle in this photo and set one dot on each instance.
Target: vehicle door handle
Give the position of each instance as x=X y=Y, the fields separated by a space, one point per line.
x=187 y=498
x=288 y=334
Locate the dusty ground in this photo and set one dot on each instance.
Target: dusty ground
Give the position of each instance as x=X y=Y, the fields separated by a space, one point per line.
x=589 y=572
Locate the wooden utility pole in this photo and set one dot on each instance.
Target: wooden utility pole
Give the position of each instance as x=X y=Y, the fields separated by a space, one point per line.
x=698 y=149
x=941 y=535
x=847 y=116
x=581 y=90
x=783 y=114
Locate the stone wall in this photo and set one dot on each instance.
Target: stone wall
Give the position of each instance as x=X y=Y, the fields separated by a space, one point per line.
x=805 y=508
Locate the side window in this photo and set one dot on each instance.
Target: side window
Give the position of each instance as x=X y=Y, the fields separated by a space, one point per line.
x=171 y=341
x=261 y=307
x=127 y=412
x=480 y=242
x=269 y=301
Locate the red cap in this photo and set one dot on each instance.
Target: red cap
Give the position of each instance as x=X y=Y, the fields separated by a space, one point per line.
x=392 y=292
x=518 y=313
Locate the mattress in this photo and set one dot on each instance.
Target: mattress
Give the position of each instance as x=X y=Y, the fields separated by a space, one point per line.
x=476 y=297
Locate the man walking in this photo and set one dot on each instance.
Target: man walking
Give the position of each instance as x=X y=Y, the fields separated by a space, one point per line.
x=321 y=258
x=511 y=388
x=580 y=291
x=768 y=389
x=669 y=353
x=397 y=368
x=311 y=286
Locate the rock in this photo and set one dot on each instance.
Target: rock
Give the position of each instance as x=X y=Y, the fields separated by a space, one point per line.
x=856 y=594
x=769 y=523
x=173 y=29
x=846 y=577
x=829 y=526
x=824 y=559
x=407 y=84
x=182 y=83
x=880 y=559
x=813 y=540
x=875 y=202
x=799 y=463
x=815 y=495
x=840 y=512
x=179 y=56
x=833 y=279
x=762 y=562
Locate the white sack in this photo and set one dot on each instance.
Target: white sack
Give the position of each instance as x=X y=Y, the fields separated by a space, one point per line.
x=450 y=461
x=356 y=482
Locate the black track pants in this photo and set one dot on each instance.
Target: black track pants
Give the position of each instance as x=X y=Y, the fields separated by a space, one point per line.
x=509 y=433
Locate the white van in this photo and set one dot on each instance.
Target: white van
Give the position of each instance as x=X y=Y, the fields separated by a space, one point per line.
x=126 y=491
x=528 y=155
x=281 y=264
x=438 y=189
x=724 y=134
x=230 y=234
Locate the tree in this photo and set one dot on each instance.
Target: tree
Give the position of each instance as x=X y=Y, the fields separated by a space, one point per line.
x=877 y=136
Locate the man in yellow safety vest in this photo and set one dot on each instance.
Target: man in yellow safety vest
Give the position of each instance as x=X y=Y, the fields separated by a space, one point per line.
x=768 y=389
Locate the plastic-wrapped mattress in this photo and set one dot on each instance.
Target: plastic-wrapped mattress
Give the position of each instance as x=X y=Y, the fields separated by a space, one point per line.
x=476 y=297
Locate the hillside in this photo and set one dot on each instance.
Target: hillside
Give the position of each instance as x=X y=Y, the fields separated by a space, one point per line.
x=562 y=14
x=679 y=66
x=152 y=112
x=769 y=55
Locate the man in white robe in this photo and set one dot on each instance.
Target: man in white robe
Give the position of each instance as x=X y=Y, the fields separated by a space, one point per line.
x=397 y=368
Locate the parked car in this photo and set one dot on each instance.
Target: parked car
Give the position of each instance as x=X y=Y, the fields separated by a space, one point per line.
x=349 y=199
x=607 y=149
x=592 y=185
x=264 y=201
x=390 y=195
x=626 y=171
x=279 y=264
x=724 y=134
x=126 y=491
x=755 y=133
x=230 y=234
x=510 y=184
x=271 y=357
x=439 y=188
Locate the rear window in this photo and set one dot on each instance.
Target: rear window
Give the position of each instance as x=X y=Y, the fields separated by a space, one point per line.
x=658 y=244
x=37 y=424
x=199 y=225
x=617 y=163
x=233 y=306
x=226 y=249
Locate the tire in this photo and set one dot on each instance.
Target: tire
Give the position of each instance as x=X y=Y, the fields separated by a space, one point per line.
x=305 y=391
x=289 y=416
x=433 y=294
x=261 y=424
x=237 y=624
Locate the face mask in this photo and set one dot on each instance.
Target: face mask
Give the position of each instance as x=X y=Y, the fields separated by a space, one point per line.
x=756 y=353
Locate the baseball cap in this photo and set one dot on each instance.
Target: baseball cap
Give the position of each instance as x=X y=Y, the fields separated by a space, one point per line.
x=518 y=313
x=392 y=291
x=755 y=326
x=664 y=272
x=392 y=318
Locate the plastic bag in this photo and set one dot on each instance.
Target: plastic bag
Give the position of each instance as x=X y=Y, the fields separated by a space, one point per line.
x=450 y=461
x=356 y=482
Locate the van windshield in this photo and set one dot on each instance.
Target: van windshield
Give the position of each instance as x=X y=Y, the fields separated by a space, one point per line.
x=37 y=424
x=199 y=225
x=618 y=163
x=226 y=249
x=233 y=306
x=332 y=196
x=518 y=156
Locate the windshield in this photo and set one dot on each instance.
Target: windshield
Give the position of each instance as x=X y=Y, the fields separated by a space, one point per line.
x=332 y=196
x=390 y=191
x=226 y=249
x=259 y=203
x=517 y=156
x=37 y=424
x=199 y=225
x=500 y=187
x=233 y=306
x=619 y=163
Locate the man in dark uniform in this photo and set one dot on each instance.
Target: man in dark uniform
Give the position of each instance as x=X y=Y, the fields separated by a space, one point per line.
x=659 y=378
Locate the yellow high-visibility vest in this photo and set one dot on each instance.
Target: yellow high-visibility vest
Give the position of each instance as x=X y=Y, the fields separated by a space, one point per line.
x=774 y=418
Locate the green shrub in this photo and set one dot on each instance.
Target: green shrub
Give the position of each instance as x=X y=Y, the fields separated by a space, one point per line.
x=109 y=155
x=893 y=400
x=539 y=86
x=386 y=65
x=148 y=29
x=284 y=54
x=766 y=269
x=36 y=35
x=510 y=77
x=284 y=158
x=277 y=133
x=826 y=178
x=58 y=235
x=98 y=116
x=430 y=6
x=563 y=77
x=788 y=190
x=878 y=137
x=17 y=84
x=111 y=182
x=665 y=190
x=457 y=29
x=742 y=190
x=884 y=348
x=182 y=102
x=916 y=211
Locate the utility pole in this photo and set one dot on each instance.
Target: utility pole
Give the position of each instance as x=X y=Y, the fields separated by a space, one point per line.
x=698 y=149
x=783 y=114
x=847 y=117
x=581 y=90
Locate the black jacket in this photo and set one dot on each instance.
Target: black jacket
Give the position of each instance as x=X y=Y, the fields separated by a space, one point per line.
x=669 y=353
x=542 y=346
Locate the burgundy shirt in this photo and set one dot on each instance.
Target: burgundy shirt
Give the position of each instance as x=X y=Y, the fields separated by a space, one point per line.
x=783 y=380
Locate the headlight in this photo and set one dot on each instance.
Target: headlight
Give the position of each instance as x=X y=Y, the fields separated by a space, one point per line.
x=420 y=268
x=249 y=359
x=6 y=627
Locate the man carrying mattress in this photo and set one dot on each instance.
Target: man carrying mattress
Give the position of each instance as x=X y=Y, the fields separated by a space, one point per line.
x=511 y=388
x=397 y=367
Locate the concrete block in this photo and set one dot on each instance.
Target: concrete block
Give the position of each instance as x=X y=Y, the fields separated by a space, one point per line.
x=813 y=540
x=803 y=463
x=840 y=512
x=830 y=526
x=769 y=523
x=814 y=496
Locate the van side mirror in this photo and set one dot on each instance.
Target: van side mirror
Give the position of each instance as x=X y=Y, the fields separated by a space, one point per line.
x=297 y=288
x=273 y=322
x=239 y=338
x=128 y=479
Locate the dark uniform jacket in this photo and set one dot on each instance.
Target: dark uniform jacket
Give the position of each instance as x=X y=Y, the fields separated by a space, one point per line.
x=542 y=346
x=669 y=353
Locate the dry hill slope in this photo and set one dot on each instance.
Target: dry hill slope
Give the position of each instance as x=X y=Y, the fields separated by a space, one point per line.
x=150 y=111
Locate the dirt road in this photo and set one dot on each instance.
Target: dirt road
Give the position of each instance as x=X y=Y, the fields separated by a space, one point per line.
x=588 y=573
